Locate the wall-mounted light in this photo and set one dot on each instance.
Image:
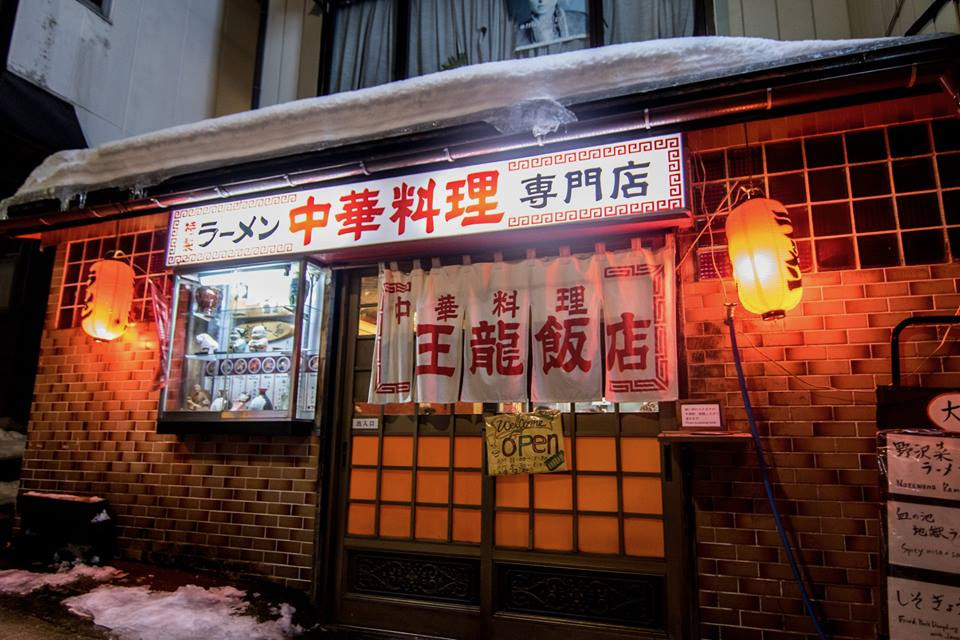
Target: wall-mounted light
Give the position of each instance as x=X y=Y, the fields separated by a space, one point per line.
x=106 y=308
x=764 y=257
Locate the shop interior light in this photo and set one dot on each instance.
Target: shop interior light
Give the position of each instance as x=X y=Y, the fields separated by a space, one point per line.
x=764 y=257
x=106 y=308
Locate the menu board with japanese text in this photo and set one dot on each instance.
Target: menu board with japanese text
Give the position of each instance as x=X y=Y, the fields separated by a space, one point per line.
x=922 y=521
x=922 y=610
x=923 y=465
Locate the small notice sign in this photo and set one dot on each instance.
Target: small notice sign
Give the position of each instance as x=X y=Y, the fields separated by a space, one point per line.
x=525 y=443
x=366 y=424
x=921 y=465
x=700 y=415
x=923 y=536
x=922 y=610
x=944 y=411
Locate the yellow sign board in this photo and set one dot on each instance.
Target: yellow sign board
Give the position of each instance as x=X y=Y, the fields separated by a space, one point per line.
x=524 y=443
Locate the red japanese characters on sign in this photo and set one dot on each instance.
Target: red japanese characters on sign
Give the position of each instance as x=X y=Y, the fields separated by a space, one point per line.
x=537 y=324
x=630 y=178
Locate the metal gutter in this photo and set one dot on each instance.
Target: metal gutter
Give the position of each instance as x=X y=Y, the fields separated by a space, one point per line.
x=902 y=76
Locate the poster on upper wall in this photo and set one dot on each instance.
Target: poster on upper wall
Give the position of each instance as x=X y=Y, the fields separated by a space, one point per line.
x=922 y=610
x=539 y=23
x=524 y=443
x=923 y=465
x=923 y=536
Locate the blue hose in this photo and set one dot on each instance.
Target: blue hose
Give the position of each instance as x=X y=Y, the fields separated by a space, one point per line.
x=767 y=485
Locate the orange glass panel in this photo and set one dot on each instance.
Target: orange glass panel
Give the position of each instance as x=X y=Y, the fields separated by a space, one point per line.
x=394 y=521
x=395 y=485
x=432 y=486
x=596 y=453
x=466 y=487
x=598 y=534
x=553 y=532
x=643 y=537
x=552 y=491
x=360 y=519
x=363 y=484
x=512 y=529
x=398 y=451
x=597 y=493
x=466 y=525
x=642 y=495
x=513 y=491
x=433 y=452
x=640 y=454
x=364 y=450
x=431 y=523
x=467 y=451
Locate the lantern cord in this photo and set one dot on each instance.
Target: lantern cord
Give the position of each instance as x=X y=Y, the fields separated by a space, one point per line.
x=765 y=474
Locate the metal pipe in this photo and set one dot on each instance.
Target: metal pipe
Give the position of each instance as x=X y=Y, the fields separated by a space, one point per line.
x=895 y=338
x=756 y=100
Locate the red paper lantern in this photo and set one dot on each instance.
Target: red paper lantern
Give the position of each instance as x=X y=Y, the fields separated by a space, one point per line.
x=106 y=307
x=764 y=257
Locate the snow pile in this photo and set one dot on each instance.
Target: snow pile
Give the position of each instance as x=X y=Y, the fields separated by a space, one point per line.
x=8 y=492
x=12 y=444
x=465 y=94
x=190 y=612
x=18 y=582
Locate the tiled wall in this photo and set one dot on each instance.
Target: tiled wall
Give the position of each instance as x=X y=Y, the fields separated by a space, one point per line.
x=241 y=504
x=812 y=379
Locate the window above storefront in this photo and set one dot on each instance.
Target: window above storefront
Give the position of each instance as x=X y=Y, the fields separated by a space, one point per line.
x=372 y=42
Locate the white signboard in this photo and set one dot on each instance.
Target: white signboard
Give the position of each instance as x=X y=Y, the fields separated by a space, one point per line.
x=366 y=424
x=922 y=610
x=923 y=466
x=701 y=415
x=634 y=178
x=923 y=536
x=944 y=411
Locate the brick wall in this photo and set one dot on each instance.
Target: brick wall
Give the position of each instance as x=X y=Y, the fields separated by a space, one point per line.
x=812 y=378
x=244 y=504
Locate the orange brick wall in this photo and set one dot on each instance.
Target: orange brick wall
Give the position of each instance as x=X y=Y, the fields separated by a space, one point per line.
x=812 y=379
x=244 y=504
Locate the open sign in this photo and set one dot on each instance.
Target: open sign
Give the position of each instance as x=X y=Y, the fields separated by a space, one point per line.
x=524 y=443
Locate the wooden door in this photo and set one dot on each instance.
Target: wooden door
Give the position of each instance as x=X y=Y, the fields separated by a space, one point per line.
x=424 y=542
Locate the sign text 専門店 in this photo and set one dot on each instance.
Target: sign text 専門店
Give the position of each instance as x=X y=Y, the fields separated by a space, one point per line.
x=629 y=178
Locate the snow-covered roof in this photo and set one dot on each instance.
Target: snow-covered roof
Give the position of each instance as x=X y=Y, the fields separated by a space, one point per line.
x=426 y=102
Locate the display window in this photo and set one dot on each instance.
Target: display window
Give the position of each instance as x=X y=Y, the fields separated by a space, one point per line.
x=247 y=348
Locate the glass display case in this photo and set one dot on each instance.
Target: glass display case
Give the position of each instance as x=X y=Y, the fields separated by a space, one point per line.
x=247 y=349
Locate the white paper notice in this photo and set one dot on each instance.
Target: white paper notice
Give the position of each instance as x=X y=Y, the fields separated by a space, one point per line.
x=701 y=415
x=924 y=465
x=924 y=536
x=922 y=610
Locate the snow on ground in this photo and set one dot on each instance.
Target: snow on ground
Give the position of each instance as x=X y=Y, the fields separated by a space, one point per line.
x=430 y=101
x=190 y=612
x=12 y=444
x=18 y=582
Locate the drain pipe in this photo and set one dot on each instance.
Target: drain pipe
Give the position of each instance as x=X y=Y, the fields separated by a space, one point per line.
x=755 y=101
x=767 y=484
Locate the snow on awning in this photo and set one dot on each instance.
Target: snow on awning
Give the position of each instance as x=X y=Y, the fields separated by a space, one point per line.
x=426 y=102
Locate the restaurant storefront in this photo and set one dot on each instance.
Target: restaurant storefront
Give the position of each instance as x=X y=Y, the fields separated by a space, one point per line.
x=342 y=399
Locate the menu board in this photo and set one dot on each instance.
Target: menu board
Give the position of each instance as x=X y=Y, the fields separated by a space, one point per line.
x=922 y=480
x=923 y=536
x=923 y=465
x=922 y=610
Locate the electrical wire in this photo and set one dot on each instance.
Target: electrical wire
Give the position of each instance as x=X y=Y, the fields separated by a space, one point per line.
x=767 y=484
